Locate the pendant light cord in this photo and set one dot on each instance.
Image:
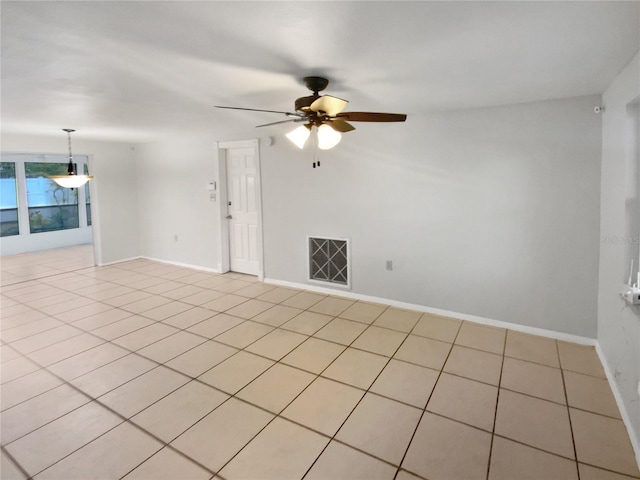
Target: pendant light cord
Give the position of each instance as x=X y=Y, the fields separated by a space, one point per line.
x=69 y=138
x=71 y=169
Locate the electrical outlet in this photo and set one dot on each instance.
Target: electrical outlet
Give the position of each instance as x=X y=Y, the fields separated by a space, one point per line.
x=389 y=265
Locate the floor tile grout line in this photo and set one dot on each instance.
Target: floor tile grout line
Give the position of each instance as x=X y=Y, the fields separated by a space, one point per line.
x=367 y=390
x=71 y=323
x=34 y=334
x=278 y=361
x=495 y=412
x=213 y=339
x=110 y=340
x=116 y=284
x=123 y=418
x=156 y=321
x=268 y=411
x=424 y=410
x=135 y=351
x=130 y=352
x=606 y=469
x=176 y=371
x=164 y=445
x=27 y=354
x=273 y=329
x=15 y=463
x=37 y=279
x=533 y=447
x=139 y=313
x=24 y=301
x=566 y=396
x=333 y=437
x=279 y=414
x=142 y=314
x=80 y=447
x=86 y=394
x=373 y=352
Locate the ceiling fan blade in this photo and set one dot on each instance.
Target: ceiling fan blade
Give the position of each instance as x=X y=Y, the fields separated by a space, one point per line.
x=372 y=117
x=290 y=114
x=329 y=105
x=282 y=121
x=340 y=125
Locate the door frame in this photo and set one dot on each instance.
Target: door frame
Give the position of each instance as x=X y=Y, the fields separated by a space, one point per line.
x=223 y=208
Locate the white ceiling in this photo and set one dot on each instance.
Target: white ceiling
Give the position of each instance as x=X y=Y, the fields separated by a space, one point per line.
x=137 y=70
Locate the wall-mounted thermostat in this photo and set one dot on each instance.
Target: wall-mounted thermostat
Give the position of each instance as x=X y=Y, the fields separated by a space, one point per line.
x=212 y=186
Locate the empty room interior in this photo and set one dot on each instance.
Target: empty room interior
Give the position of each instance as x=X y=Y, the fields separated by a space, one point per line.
x=320 y=240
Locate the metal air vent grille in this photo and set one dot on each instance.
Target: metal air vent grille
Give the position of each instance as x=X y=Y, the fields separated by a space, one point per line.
x=329 y=260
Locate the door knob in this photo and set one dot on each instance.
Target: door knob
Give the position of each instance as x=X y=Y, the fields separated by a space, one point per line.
x=228 y=217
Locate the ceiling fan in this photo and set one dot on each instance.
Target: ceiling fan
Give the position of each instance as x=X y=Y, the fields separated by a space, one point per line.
x=325 y=113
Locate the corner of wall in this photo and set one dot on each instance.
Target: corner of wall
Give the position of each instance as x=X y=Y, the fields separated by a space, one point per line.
x=618 y=337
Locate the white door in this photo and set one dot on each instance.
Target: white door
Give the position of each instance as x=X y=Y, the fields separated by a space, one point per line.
x=244 y=204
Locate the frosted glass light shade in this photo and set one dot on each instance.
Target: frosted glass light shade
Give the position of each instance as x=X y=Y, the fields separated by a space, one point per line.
x=327 y=137
x=71 y=181
x=299 y=136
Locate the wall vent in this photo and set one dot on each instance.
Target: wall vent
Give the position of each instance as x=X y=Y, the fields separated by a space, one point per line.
x=329 y=260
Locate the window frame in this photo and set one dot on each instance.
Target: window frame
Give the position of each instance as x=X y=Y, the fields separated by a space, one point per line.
x=15 y=189
x=27 y=241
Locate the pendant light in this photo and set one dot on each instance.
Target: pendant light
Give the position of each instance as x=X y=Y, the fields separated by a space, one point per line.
x=71 y=179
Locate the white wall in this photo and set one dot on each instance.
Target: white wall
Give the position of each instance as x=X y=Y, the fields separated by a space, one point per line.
x=618 y=324
x=178 y=222
x=113 y=190
x=490 y=212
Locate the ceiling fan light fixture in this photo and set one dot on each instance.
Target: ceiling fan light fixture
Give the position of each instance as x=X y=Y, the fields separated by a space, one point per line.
x=327 y=137
x=300 y=135
x=325 y=113
x=71 y=179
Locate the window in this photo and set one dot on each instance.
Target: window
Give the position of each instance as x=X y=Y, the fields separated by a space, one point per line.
x=51 y=207
x=36 y=213
x=8 y=200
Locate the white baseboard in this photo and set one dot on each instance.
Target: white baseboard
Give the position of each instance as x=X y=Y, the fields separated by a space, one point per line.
x=635 y=441
x=180 y=264
x=567 y=337
x=115 y=262
x=159 y=260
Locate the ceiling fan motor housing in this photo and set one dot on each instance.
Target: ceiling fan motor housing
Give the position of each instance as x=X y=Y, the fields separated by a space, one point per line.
x=315 y=84
x=303 y=103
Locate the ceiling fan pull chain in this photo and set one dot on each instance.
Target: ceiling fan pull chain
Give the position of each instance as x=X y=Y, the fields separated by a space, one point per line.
x=314 y=139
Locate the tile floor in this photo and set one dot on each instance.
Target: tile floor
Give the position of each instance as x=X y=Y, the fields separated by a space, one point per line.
x=144 y=370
